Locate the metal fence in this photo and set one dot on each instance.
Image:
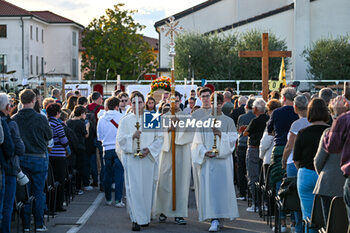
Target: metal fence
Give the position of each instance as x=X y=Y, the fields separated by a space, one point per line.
x=305 y=85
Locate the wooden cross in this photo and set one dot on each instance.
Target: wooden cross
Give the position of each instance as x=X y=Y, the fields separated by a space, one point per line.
x=265 y=54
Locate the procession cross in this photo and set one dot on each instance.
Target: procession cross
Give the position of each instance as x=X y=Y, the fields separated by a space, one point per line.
x=265 y=54
x=172 y=28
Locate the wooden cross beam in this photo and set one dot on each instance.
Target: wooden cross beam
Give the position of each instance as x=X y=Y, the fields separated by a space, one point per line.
x=265 y=54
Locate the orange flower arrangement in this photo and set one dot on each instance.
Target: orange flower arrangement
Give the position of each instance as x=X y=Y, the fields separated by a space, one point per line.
x=161 y=83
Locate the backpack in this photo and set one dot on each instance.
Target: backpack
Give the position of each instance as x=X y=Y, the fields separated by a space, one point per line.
x=90 y=115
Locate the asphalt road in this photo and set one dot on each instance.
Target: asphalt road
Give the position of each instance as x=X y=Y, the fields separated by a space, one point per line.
x=88 y=213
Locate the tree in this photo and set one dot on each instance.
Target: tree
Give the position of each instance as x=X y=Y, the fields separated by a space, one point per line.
x=329 y=59
x=113 y=42
x=250 y=68
x=216 y=56
x=209 y=57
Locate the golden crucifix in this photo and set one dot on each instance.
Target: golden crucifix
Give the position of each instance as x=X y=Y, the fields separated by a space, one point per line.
x=172 y=28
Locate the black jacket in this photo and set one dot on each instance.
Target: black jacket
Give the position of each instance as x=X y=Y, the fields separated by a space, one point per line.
x=237 y=112
x=12 y=166
x=7 y=147
x=34 y=129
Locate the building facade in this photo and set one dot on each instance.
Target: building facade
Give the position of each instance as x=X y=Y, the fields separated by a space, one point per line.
x=299 y=22
x=37 y=43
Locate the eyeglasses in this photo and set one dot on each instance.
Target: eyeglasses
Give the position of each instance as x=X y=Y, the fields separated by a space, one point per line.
x=205 y=96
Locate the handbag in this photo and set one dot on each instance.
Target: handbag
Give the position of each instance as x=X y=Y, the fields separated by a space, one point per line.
x=288 y=193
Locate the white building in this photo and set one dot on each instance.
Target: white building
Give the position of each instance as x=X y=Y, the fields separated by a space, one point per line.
x=299 y=22
x=38 y=43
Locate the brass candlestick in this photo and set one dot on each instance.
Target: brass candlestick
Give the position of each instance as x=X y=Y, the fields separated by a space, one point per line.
x=138 y=150
x=214 y=149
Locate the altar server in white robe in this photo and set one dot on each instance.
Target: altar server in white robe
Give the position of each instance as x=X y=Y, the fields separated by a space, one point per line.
x=138 y=170
x=216 y=193
x=163 y=195
x=205 y=110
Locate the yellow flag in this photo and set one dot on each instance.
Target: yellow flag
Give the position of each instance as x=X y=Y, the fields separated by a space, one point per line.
x=282 y=76
x=274 y=85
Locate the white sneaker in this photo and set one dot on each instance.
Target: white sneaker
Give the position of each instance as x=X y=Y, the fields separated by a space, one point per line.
x=88 y=188
x=251 y=209
x=41 y=229
x=109 y=202
x=283 y=229
x=292 y=228
x=119 y=204
x=215 y=225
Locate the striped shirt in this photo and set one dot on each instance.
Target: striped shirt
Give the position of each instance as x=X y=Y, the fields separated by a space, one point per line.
x=59 y=138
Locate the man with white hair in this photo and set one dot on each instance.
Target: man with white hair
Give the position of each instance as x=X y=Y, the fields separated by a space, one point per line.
x=255 y=131
x=6 y=152
x=242 y=100
x=11 y=166
x=228 y=105
x=326 y=94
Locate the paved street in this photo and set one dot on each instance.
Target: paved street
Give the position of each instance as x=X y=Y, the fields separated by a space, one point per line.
x=89 y=214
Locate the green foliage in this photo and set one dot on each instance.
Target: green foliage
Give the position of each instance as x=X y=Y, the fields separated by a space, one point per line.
x=216 y=56
x=113 y=42
x=250 y=68
x=210 y=57
x=329 y=59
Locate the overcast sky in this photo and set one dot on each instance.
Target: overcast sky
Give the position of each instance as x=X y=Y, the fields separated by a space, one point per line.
x=83 y=11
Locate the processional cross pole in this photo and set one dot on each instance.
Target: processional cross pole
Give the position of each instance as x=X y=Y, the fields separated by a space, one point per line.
x=265 y=54
x=171 y=30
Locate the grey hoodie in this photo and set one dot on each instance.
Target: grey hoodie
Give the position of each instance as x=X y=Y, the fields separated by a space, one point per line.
x=34 y=130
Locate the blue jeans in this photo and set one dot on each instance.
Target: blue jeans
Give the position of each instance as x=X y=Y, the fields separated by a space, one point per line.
x=113 y=170
x=90 y=168
x=36 y=170
x=306 y=182
x=2 y=191
x=9 y=198
x=347 y=196
x=295 y=215
x=93 y=168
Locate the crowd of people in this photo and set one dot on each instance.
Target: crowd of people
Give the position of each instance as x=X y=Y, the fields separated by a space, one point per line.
x=293 y=134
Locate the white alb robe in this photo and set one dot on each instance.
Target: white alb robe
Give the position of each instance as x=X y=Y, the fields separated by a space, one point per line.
x=138 y=172
x=163 y=195
x=198 y=114
x=216 y=193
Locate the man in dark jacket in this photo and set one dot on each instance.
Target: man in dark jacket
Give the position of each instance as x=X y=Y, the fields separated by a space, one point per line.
x=35 y=133
x=240 y=110
x=6 y=153
x=91 y=143
x=11 y=166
